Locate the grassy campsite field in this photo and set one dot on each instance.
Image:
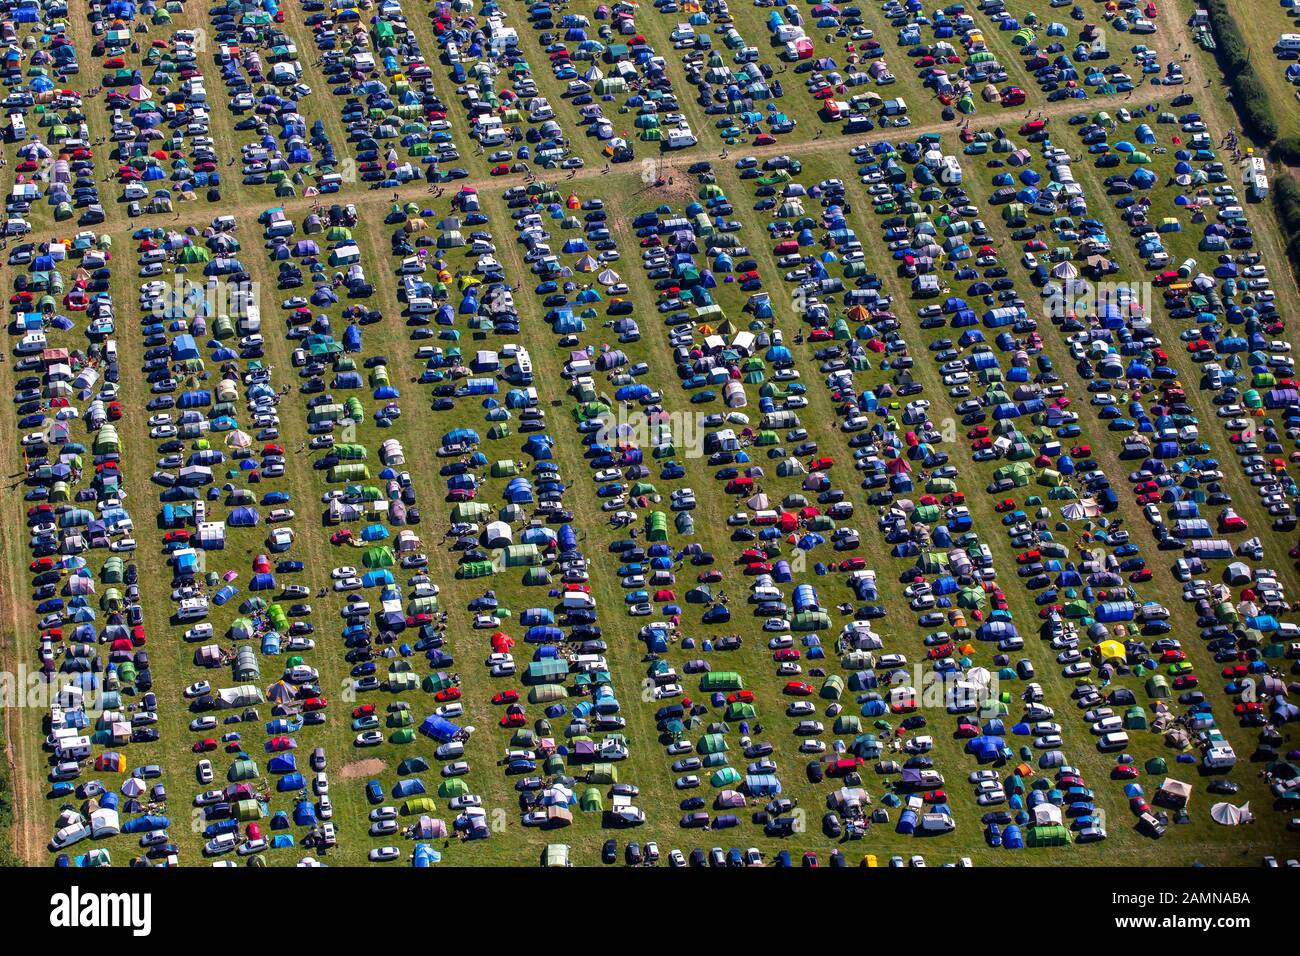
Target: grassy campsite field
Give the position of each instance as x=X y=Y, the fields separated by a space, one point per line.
x=626 y=192
x=1268 y=20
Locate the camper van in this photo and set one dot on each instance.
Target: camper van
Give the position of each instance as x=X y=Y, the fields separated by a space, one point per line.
x=66 y=836
x=74 y=748
x=191 y=609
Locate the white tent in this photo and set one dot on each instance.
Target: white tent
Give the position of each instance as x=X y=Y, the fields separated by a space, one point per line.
x=1046 y=815
x=1230 y=816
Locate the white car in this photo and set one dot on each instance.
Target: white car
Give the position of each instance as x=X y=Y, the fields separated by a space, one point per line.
x=629 y=815
x=346 y=571
x=280 y=514
x=668 y=690
x=347 y=584
x=203 y=723
x=249 y=847
x=203 y=771
x=383 y=854
x=198 y=689
x=125 y=544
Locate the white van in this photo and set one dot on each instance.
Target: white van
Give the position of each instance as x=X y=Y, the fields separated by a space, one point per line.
x=1116 y=740
x=74 y=748
x=191 y=609
x=421 y=306
x=219 y=844
x=579 y=599
x=937 y=823
x=72 y=833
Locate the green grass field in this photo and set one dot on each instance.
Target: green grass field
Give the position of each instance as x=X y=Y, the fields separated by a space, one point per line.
x=626 y=192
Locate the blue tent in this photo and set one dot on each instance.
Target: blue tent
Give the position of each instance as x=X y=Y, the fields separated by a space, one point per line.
x=439 y=728
x=243 y=517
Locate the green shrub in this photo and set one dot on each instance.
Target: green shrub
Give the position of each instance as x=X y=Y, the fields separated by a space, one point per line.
x=1249 y=96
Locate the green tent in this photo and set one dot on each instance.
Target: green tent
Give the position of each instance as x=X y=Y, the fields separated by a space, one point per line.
x=453 y=787
x=712 y=744
x=725 y=777
x=242 y=769
x=1045 y=836
x=721 y=680
x=412 y=765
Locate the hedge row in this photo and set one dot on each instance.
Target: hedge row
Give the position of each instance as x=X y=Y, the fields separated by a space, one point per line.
x=1248 y=94
x=1286 y=201
x=7 y=857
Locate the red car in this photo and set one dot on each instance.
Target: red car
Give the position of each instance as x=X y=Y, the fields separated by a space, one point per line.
x=1006 y=504
x=447 y=694
x=315 y=703
x=786 y=654
x=1186 y=682
x=505 y=696
x=741 y=697
x=1236 y=670
x=204 y=746
x=365 y=710
x=798 y=688
x=341 y=536
x=500 y=169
